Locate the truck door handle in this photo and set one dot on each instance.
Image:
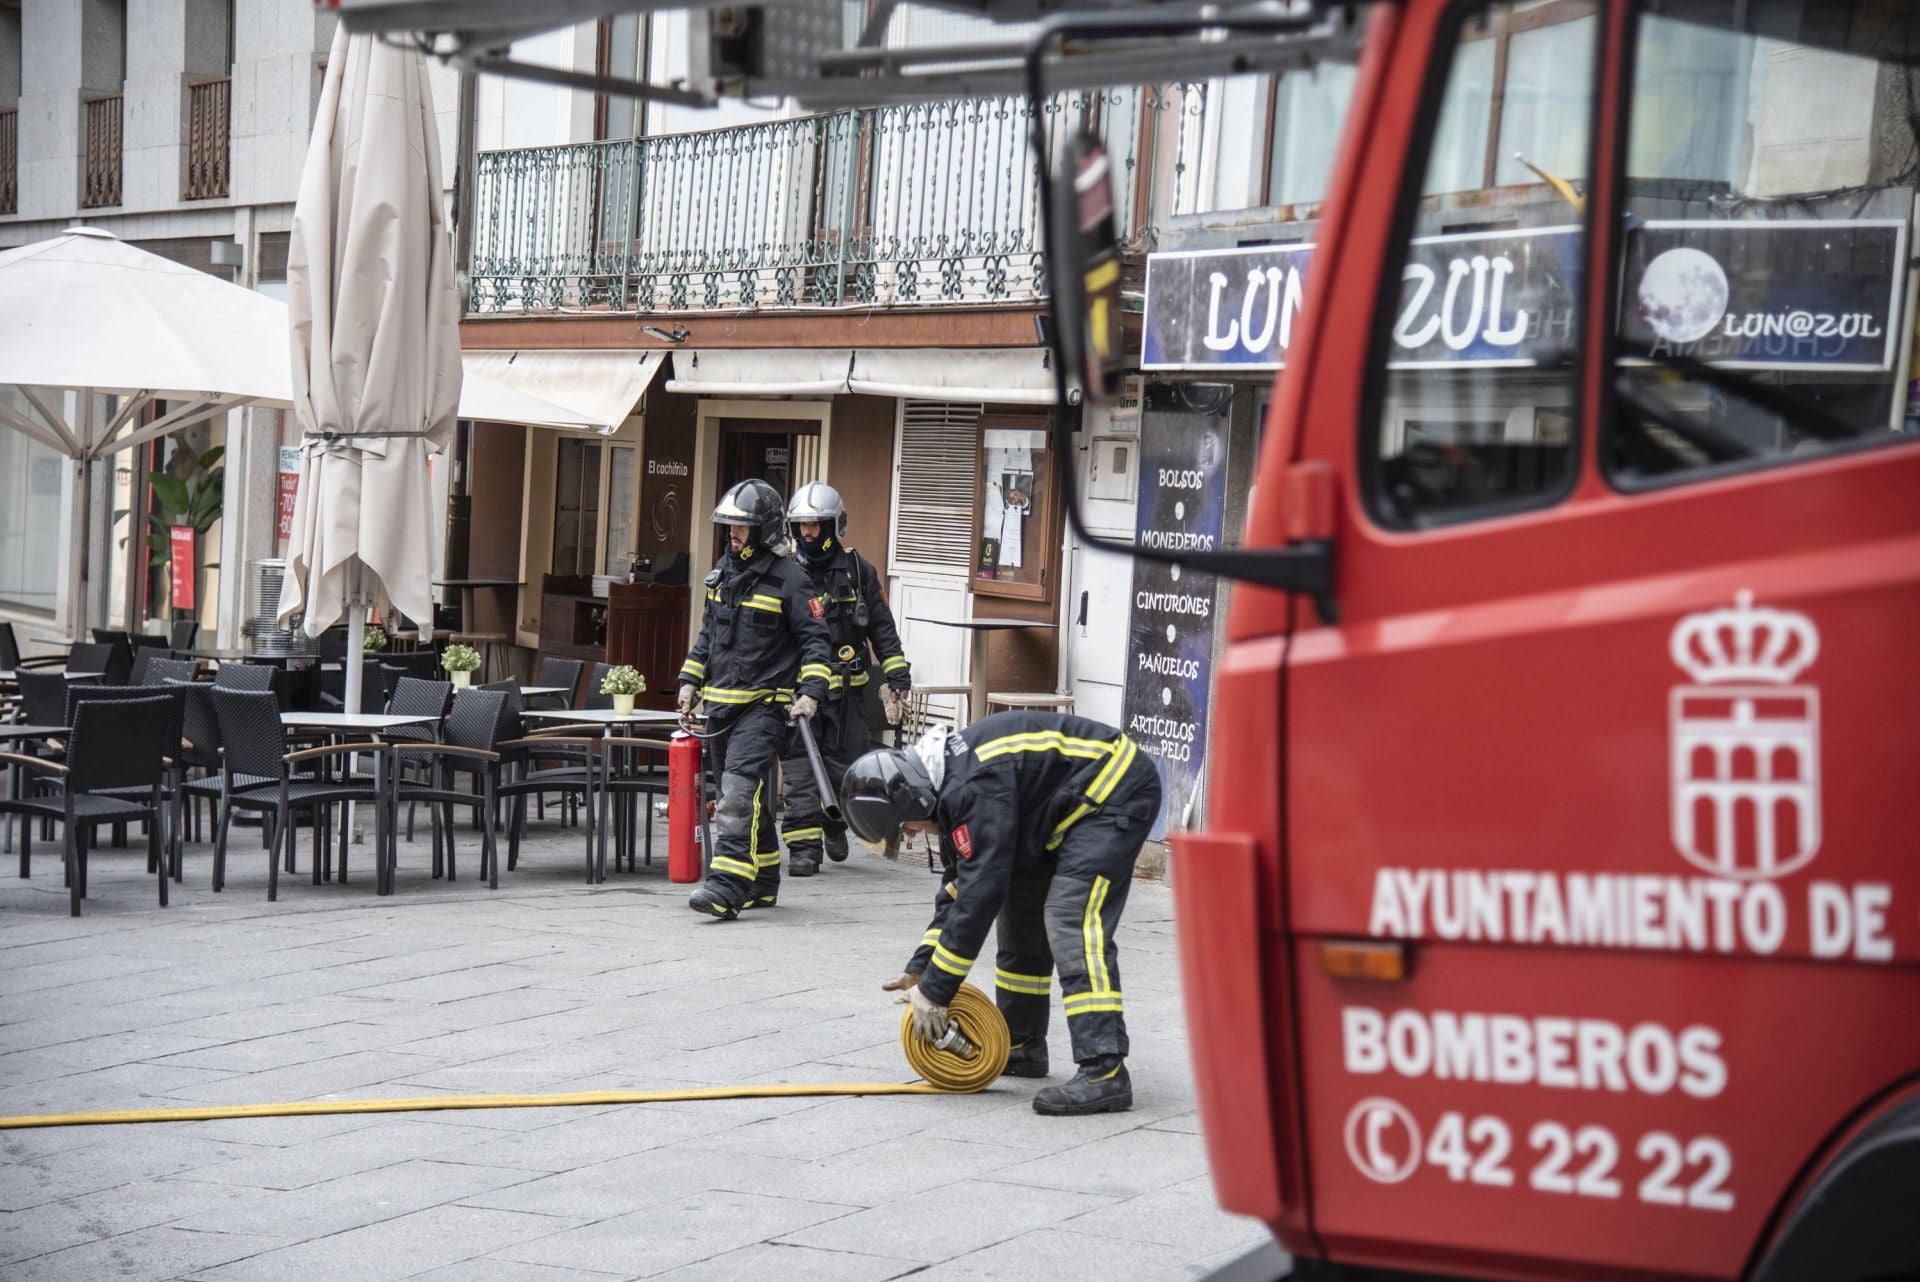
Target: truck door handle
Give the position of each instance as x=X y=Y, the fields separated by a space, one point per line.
x=1083 y=609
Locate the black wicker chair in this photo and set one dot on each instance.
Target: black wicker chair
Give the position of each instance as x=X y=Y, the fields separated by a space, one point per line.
x=114 y=774
x=256 y=748
x=466 y=751
x=119 y=665
x=43 y=697
x=80 y=692
x=183 y=634
x=560 y=672
x=591 y=698
x=631 y=769
x=91 y=656
x=247 y=676
x=163 y=671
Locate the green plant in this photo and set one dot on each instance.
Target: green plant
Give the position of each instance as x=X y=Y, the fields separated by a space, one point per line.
x=460 y=658
x=376 y=639
x=190 y=492
x=622 y=680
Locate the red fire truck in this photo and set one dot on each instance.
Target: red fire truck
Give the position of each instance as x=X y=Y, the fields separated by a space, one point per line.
x=1556 y=913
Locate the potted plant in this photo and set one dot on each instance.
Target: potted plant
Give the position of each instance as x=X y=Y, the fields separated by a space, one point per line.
x=461 y=662
x=623 y=683
x=376 y=639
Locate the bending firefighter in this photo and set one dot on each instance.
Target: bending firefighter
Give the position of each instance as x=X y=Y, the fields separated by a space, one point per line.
x=759 y=664
x=857 y=617
x=1041 y=817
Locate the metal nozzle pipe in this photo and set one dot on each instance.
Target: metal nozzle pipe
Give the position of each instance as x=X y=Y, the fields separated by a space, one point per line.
x=829 y=799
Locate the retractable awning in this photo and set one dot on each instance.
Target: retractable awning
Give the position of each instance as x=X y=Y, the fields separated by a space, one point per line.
x=1011 y=376
x=602 y=386
x=802 y=371
x=1015 y=376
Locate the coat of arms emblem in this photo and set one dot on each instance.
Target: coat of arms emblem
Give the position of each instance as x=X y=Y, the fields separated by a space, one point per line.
x=1746 y=741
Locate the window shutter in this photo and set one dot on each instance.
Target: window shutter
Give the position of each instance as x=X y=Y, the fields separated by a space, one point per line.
x=939 y=456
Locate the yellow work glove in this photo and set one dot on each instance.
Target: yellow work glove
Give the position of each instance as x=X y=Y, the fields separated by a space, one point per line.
x=689 y=699
x=805 y=706
x=907 y=980
x=929 y=1017
x=894 y=703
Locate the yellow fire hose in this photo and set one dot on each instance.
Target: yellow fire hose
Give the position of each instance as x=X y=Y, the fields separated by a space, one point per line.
x=944 y=1072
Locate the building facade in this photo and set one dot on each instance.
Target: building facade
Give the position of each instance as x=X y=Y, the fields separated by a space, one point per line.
x=179 y=126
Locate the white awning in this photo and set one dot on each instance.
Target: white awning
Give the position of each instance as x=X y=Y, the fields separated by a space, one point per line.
x=601 y=386
x=1017 y=376
x=804 y=371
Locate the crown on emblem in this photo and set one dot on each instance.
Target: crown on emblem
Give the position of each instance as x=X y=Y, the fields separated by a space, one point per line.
x=1742 y=643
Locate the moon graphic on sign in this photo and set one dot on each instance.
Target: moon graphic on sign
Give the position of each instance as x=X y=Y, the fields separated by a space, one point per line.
x=1683 y=295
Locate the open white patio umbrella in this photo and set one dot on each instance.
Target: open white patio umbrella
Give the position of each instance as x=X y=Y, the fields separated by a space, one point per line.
x=85 y=314
x=374 y=324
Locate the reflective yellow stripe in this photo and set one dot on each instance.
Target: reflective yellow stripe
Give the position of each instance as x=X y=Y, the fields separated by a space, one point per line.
x=1043 y=741
x=859 y=678
x=1032 y=985
x=894 y=664
x=753 y=832
x=930 y=938
x=820 y=670
x=1114 y=1009
x=1097 y=996
x=953 y=890
x=693 y=667
x=761 y=601
x=1124 y=750
x=803 y=834
x=1093 y=936
x=714 y=694
x=738 y=867
x=951 y=962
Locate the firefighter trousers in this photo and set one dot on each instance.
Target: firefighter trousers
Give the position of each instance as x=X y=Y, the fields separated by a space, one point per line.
x=1063 y=912
x=840 y=729
x=746 y=852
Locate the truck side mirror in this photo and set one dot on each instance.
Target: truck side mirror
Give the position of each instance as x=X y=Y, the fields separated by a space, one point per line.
x=1086 y=303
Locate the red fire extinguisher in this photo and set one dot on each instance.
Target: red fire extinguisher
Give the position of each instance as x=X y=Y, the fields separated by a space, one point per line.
x=683 y=808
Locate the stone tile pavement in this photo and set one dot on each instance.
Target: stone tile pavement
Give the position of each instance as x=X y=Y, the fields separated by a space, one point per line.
x=550 y=985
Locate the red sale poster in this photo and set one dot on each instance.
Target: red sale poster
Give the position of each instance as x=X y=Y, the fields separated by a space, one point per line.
x=180 y=539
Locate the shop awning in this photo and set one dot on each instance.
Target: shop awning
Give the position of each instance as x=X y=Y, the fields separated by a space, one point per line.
x=602 y=386
x=1016 y=376
x=803 y=371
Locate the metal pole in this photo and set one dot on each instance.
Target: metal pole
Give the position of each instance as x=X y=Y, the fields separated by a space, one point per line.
x=829 y=800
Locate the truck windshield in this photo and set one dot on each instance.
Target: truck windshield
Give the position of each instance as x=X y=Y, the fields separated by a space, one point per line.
x=1767 y=297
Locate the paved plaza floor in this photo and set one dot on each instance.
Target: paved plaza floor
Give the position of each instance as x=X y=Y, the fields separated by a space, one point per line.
x=549 y=984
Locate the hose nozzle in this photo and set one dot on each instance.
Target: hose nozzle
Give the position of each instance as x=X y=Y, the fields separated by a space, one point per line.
x=956 y=1041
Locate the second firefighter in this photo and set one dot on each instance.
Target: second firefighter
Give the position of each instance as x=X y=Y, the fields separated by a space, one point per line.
x=859 y=622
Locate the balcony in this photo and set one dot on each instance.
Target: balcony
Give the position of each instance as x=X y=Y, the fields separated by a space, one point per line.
x=9 y=162
x=927 y=204
x=208 y=139
x=101 y=180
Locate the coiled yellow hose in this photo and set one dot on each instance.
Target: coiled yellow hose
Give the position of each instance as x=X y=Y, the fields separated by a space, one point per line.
x=982 y=1024
x=944 y=1073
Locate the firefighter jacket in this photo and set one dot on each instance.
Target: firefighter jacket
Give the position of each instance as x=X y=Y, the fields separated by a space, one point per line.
x=763 y=634
x=857 y=616
x=1016 y=782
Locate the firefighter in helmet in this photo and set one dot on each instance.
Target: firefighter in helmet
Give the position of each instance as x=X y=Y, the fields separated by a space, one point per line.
x=857 y=619
x=760 y=663
x=1041 y=817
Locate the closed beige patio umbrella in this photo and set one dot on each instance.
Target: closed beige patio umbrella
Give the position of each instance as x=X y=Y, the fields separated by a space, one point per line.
x=374 y=321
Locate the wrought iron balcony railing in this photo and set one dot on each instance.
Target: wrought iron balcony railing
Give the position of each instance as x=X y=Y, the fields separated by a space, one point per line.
x=101 y=181
x=9 y=162
x=209 y=142
x=920 y=204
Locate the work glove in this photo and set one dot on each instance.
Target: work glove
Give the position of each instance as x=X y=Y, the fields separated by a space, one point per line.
x=689 y=700
x=907 y=980
x=929 y=1017
x=893 y=701
x=804 y=706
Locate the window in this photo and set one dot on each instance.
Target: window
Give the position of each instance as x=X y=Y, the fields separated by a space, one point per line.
x=31 y=533
x=939 y=451
x=1309 y=108
x=1766 y=310
x=1476 y=412
x=576 y=507
x=622 y=486
x=1015 y=532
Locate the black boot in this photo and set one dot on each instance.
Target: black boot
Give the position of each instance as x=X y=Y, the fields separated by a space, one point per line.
x=762 y=895
x=837 y=847
x=803 y=863
x=1028 y=1059
x=716 y=898
x=1101 y=1086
